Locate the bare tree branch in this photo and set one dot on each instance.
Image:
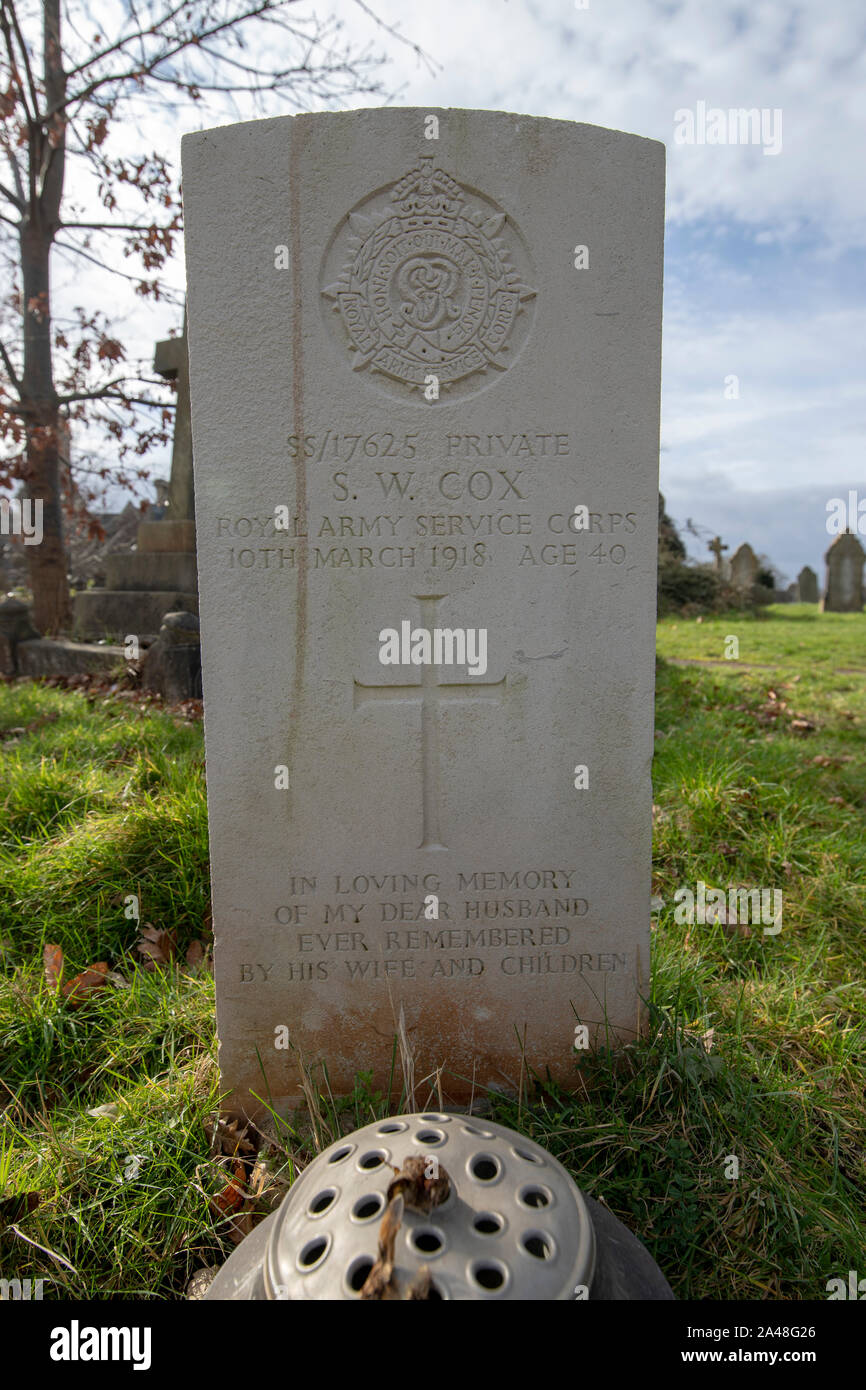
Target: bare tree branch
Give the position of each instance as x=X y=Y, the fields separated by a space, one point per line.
x=106 y=394
x=136 y=36
x=16 y=172
x=12 y=197
x=112 y=226
x=175 y=46
x=13 y=375
x=9 y=17
x=395 y=33
x=62 y=102
x=169 y=295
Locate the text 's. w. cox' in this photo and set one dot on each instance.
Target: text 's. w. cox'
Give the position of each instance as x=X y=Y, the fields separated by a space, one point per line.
x=438 y=646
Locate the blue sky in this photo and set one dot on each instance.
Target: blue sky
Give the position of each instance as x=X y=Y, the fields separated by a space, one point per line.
x=764 y=259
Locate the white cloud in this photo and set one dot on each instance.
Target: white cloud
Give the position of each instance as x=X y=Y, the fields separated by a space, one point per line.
x=759 y=278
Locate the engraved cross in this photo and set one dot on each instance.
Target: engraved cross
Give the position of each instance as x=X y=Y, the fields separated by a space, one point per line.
x=429 y=694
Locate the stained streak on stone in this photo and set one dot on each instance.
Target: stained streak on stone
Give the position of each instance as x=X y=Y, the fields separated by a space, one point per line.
x=520 y=655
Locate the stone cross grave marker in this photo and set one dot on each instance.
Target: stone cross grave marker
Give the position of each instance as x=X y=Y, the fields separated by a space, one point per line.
x=425 y=389
x=844 y=589
x=170 y=361
x=716 y=546
x=143 y=585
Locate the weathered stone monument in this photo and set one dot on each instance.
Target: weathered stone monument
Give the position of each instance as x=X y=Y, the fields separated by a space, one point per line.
x=807 y=584
x=171 y=362
x=844 y=589
x=425 y=391
x=716 y=545
x=744 y=567
x=159 y=576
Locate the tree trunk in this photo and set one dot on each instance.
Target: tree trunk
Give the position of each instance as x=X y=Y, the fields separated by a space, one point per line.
x=47 y=560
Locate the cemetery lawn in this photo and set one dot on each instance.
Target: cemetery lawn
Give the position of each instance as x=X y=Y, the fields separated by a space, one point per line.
x=109 y=1183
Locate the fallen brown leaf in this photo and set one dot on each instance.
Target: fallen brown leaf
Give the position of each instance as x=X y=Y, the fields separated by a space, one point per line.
x=78 y=989
x=226 y=1138
x=196 y=955
x=157 y=945
x=232 y=1195
x=13 y=1209
x=52 y=963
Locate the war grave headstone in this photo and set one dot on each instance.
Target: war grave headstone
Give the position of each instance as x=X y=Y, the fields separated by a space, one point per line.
x=425 y=393
x=807 y=584
x=744 y=567
x=844 y=588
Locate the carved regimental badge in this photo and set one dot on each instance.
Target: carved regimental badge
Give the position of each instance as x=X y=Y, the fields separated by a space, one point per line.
x=432 y=280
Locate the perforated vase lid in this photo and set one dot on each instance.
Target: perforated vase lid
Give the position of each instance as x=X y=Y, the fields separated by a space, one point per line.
x=514 y=1224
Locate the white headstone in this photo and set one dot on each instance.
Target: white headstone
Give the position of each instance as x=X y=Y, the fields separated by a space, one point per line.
x=434 y=362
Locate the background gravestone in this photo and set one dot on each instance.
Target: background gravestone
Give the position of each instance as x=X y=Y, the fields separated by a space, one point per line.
x=159 y=576
x=744 y=567
x=171 y=361
x=717 y=546
x=807 y=582
x=844 y=589
x=426 y=853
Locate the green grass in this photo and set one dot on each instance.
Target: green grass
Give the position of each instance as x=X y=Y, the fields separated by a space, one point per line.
x=793 y=634
x=103 y=799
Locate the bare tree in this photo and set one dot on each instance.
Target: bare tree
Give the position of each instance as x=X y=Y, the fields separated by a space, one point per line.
x=67 y=91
